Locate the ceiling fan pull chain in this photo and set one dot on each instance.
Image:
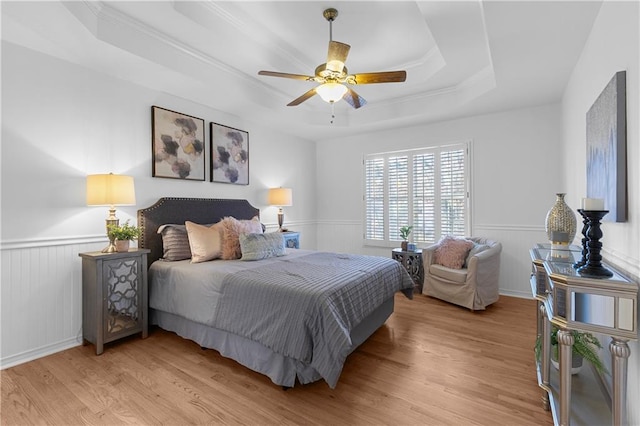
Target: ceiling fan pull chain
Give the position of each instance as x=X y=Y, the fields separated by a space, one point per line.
x=333 y=112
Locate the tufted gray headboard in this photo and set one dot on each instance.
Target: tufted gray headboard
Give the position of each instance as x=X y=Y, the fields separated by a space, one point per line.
x=178 y=210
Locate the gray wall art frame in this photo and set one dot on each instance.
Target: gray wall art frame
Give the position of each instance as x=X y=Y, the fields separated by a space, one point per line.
x=178 y=145
x=229 y=155
x=607 y=149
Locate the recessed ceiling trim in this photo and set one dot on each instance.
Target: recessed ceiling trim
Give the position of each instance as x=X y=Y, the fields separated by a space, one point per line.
x=107 y=15
x=253 y=30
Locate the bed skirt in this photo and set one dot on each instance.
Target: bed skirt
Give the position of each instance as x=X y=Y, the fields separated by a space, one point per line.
x=280 y=369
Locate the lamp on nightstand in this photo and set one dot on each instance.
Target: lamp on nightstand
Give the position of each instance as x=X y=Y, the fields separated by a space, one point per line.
x=280 y=197
x=110 y=190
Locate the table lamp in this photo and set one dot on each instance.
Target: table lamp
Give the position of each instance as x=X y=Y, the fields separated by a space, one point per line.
x=110 y=190
x=280 y=197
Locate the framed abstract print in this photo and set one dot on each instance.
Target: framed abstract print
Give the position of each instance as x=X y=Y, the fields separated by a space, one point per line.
x=178 y=145
x=607 y=147
x=229 y=155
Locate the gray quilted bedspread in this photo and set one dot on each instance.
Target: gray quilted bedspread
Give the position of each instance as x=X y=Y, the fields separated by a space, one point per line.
x=305 y=308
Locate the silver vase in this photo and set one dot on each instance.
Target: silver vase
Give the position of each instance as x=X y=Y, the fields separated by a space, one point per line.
x=560 y=223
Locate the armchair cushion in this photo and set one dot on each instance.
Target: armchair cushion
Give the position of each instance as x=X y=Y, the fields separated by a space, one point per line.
x=454 y=276
x=452 y=252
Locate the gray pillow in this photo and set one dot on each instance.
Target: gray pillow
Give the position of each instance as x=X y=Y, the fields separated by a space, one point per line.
x=261 y=246
x=175 y=242
x=477 y=248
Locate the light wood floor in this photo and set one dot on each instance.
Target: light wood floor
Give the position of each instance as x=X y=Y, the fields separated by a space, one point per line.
x=431 y=363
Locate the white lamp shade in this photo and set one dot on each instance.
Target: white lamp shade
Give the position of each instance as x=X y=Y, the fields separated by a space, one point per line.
x=110 y=190
x=331 y=92
x=280 y=197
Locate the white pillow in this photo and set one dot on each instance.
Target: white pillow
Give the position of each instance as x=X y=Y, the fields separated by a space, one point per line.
x=205 y=241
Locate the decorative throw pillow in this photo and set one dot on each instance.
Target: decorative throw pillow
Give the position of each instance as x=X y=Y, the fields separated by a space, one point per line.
x=477 y=248
x=262 y=246
x=205 y=241
x=175 y=242
x=232 y=228
x=452 y=251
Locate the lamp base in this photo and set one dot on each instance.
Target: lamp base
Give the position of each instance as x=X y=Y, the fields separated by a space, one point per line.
x=280 y=219
x=111 y=221
x=111 y=248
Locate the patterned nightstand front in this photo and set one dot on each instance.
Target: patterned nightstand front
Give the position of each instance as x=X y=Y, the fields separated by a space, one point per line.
x=291 y=239
x=114 y=296
x=412 y=262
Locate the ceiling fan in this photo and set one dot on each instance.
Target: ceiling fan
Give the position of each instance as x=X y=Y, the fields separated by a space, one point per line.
x=333 y=75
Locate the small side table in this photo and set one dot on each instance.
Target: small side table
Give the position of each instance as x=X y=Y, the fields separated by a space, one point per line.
x=412 y=262
x=291 y=239
x=114 y=296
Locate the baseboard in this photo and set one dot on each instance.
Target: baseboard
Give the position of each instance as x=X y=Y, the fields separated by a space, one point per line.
x=515 y=293
x=21 y=358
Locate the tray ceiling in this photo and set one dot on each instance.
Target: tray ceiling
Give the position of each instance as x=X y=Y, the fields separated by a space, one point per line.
x=462 y=57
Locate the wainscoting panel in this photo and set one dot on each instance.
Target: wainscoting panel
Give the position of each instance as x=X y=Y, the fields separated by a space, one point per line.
x=41 y=298
x=515 y=261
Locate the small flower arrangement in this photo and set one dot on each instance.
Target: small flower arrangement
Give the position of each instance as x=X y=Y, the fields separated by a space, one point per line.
x=405 y=231
x=123 y=232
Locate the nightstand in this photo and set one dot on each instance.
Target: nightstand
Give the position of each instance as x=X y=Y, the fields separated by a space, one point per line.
x=114 y=296
x=291 y=239
x=412 y=262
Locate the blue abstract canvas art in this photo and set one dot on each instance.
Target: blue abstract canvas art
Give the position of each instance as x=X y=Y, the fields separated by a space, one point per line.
x=606 y=149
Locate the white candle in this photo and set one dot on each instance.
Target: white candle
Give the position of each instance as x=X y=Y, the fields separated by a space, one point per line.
x=594 y=204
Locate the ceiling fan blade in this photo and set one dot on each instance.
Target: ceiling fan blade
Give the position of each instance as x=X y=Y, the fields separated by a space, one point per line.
x=337 y=56
x=353 y=99
x=287 y=75
x=378 y=77
x=302 y=98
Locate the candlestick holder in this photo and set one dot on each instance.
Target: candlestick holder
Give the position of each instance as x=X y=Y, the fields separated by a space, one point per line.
x=593 y=267
x=585 y=227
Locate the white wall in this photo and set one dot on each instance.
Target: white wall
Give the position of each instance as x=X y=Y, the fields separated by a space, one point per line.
x=613 y=45
x=516 y=159
x=61 y=122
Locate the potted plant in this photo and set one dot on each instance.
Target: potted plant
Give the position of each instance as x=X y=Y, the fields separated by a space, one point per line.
x=123 y=234
x=404 y=233
x=584 y=347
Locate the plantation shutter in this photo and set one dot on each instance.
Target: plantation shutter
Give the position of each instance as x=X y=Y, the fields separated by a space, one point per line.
x=398 y=207
x=424 y=198
x=424 y=188
x=453 y=193
x=374 y=198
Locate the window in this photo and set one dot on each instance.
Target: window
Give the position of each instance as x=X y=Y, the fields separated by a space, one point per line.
x=425 y=188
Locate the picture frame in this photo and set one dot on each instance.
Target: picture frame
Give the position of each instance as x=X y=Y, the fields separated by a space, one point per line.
x=607 y=147
x=229 y=155
x=178 y=145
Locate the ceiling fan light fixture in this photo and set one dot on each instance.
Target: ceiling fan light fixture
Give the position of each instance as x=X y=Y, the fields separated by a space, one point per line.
x=331 y=92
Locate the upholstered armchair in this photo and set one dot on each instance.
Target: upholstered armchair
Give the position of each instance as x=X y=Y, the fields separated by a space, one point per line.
x=474 y=284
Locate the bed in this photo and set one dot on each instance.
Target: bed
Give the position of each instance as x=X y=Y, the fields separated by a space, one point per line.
x=294 y=317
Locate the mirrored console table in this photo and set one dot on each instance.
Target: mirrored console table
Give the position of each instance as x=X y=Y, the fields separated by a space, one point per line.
x=572 y=302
